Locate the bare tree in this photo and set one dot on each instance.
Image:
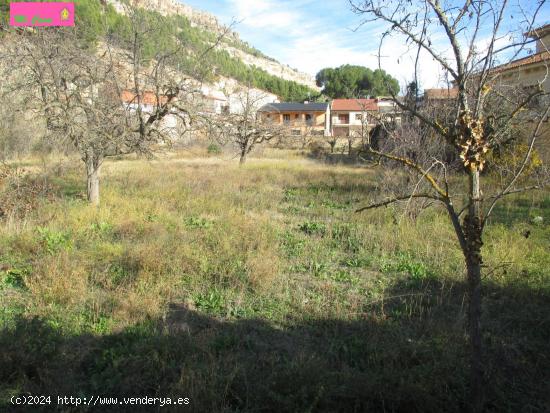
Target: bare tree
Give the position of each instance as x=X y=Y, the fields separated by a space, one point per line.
x=465 y=40
x=107 y=102
x=72 y=89
x=367 y=118
x=332 y=140
x=243 y=127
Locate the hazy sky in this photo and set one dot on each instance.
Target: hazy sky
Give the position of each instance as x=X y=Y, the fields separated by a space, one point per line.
x=310 y=35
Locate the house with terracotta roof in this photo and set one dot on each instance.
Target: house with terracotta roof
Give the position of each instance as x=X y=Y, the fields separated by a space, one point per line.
x=528 y=71
x=349 y=117
x=148 y=101
x=438 y=95
x=388 y=110
x=438 y=99
x=301 y=119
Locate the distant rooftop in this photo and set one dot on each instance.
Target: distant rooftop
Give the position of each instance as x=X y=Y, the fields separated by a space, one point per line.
x=294 y=107
x=147 y=98
x=524 y=61
x=354 y=105
x=440 y=94
x=539 y=31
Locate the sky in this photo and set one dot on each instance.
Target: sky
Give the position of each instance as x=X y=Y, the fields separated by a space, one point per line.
x=310 y=35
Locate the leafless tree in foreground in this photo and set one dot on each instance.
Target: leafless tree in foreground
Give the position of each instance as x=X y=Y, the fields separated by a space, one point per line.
x=80 y=96
x=244 y=128
x=109 y=101
x=466 y=41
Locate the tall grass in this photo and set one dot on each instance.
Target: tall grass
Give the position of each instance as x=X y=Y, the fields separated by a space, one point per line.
x=260 y=289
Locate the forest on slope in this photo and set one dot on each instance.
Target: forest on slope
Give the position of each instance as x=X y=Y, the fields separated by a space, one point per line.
x=96 y=21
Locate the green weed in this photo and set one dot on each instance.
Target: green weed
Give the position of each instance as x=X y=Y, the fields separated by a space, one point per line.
x=54 y=241
x=345 y=236
x=357 y=262
x=212 y=302
x=14 y=278
x=313 y=228
x=405 y=263
x=291 y=244
x=198 y=222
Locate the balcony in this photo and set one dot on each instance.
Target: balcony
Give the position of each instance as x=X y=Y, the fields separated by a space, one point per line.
x=303 y=123
x=341 y=120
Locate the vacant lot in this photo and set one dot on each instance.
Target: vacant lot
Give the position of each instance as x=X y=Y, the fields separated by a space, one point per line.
x=258 y=289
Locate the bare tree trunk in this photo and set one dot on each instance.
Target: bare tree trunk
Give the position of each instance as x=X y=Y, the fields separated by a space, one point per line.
x=93 y=167
x=242 y=160
x=473 y=233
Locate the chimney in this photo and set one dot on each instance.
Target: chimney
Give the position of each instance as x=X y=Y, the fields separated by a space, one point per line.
x=306 y=102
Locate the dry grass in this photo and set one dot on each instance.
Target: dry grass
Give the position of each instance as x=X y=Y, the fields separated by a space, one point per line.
x=264 y=264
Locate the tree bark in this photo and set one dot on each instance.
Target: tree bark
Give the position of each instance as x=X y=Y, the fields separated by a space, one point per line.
x=473 y=234
x=93 y=167
x=242 y=160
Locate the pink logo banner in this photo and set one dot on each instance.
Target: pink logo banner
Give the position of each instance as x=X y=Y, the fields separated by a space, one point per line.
x=41 y=14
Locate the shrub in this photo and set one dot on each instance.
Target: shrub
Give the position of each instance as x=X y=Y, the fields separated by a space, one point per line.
x=14 y=278
x=214 y=149
x=20 y=193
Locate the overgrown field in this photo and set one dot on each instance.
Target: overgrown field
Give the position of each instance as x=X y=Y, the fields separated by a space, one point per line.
x=258 y=289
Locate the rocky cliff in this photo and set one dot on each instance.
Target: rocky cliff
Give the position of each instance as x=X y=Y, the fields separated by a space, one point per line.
x=210 y=23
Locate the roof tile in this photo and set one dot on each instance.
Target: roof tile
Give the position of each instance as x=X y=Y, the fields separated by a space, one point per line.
x=147 y=98
x=294 y=107
x=354 y=105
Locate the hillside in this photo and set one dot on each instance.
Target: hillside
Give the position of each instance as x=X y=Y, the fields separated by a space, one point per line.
x=232 y=43
x=197 y=31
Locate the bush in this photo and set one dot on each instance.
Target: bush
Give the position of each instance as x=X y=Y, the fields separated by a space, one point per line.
x=318 y=149
x=214 y=149
x=21 y=193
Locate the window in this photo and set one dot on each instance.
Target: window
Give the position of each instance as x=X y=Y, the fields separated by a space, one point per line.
x=343 y=118
x=309 y=119
x=295 y=132
x=286 y=118
x=296 y=116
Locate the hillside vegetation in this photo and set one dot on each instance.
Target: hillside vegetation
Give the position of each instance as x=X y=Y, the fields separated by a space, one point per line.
x=259 y=289
x=94 y=24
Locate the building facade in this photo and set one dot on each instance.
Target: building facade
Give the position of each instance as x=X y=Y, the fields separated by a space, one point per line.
x=300 y=118
x=528 y=72
x=353 y=117
x=234 y=100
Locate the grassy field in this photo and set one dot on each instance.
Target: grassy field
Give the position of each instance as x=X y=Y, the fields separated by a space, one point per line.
x=258 y=289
